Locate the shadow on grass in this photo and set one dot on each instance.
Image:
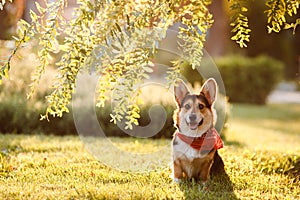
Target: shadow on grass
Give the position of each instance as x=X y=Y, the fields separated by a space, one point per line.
x=294 y=173
x=218 y=187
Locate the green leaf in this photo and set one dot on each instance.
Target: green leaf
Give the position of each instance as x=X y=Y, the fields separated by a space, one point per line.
x=33 y=16
x=148 y=69
x=39 y=8
x=244 y=9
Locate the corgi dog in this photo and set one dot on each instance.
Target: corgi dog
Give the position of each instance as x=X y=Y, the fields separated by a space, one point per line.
x=195 y=143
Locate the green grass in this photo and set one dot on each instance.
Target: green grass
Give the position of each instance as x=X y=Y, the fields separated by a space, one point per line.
x=262 y=146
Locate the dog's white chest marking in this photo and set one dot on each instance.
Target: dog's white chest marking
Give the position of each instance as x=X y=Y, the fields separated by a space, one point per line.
x=183 y=151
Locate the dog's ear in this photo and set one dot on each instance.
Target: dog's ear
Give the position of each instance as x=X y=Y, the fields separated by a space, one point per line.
x=209 y=90
x=180 y=91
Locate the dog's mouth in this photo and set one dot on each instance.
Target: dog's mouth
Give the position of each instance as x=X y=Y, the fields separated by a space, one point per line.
x=194 y=125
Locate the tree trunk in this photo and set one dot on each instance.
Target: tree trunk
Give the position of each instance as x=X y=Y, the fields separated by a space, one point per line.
x=10 y=16
x=218 y=35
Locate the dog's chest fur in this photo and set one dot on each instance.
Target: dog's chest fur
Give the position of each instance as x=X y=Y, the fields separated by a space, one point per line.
x=191 y=160
x=182 y=149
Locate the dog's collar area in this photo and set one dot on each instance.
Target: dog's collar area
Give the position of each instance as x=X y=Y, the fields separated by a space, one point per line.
x=208 y=141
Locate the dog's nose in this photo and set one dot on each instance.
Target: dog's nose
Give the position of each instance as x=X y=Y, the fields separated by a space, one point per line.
x=192 y=117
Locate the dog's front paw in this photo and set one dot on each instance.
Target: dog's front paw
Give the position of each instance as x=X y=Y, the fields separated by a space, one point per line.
x=177 y=180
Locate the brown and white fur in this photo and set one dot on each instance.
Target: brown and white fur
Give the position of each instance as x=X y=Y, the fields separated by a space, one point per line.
x=193 y=118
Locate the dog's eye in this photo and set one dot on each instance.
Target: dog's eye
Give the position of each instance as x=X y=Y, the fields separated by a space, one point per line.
x=201 y=106
x=187 y=106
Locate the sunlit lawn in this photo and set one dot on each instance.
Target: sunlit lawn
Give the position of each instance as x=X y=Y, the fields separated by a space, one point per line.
x=261 y=144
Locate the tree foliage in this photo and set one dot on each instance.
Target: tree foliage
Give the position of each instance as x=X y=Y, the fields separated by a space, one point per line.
x=117 y=39
x=277 y=12
x=239 y=22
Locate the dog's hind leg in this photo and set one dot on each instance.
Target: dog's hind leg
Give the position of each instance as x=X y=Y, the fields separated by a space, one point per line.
x=205 y=169
x=218 y=165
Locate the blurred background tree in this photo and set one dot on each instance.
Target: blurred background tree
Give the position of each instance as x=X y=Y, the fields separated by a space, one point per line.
x=284 y=45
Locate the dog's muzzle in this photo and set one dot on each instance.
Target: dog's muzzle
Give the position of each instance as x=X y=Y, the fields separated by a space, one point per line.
x=193 y=124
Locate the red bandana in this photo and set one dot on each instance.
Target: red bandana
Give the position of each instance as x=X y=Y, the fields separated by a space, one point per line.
x=208 y=141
